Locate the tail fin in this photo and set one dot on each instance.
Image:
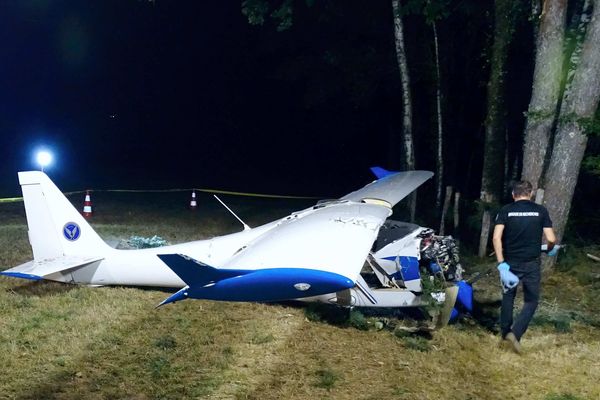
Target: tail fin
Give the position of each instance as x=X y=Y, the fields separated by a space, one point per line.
x=56 y=228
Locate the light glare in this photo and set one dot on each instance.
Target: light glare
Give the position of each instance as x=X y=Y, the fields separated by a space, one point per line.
x=44 y=158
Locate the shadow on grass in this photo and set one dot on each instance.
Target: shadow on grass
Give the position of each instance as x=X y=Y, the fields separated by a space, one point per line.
x=48 y=288
x=42 y=288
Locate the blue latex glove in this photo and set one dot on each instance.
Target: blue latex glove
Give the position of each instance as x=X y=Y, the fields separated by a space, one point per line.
x=552 y=252
x=508 y=279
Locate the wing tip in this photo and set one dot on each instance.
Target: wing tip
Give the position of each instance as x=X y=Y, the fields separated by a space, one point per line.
x=381 y=172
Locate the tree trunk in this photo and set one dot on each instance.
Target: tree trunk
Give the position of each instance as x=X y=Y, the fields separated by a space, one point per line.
x=407 y=134
x=493 y=157
x=447 y=201
x=456 y=213
x=546 y=89
x=440 y=132
x=486 y=219
x=506 y=181
x=511 y=174
x=578 y=108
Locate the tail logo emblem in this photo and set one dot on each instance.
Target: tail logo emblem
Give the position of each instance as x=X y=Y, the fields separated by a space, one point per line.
x=71 y=231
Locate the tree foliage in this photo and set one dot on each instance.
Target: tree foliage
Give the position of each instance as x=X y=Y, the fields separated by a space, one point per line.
x=432 y=10
x=257 y=11
x=592 y=165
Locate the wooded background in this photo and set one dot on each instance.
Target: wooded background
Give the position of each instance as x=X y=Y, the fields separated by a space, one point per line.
x=509 y=88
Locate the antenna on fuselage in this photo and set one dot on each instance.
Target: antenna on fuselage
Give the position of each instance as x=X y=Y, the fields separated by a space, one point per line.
x=246 y=227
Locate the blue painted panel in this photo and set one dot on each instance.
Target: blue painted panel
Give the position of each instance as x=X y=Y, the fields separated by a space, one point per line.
x=409 y=268
x=22 y=275
x=454 y=314
x=275 y=284
x=464 y=300
x=182 y=294
x=272 y=285
x=465 y=295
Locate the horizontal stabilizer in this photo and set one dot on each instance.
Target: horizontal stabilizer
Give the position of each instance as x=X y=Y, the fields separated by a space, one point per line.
x=196 y=273
x=41 y=269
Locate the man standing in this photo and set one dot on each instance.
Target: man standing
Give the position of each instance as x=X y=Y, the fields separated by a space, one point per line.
x=517 y=242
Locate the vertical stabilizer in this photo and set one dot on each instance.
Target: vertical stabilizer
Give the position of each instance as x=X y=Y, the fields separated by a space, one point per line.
x=56 y=228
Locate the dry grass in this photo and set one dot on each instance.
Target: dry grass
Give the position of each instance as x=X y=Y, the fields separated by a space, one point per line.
x=68 y=342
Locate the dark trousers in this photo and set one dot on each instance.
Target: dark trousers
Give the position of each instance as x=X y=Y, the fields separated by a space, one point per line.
x=529 y=274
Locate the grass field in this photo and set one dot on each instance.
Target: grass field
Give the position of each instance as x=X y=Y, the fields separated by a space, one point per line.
x=71 y=342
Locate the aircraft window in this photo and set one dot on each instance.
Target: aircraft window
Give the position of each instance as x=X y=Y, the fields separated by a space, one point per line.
x=391 y=231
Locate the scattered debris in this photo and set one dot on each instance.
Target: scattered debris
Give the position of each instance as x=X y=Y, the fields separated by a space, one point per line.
x=593 y=257
x=140 y=242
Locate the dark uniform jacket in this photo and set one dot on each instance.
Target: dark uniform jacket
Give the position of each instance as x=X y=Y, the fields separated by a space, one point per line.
x=524 y=222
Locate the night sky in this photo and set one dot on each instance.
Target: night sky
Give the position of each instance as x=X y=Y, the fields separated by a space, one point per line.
x=183 y=93
x=168 y=94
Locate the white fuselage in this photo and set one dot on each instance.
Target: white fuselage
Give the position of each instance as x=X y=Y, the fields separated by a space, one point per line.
x=143 y=267
x=332 y=238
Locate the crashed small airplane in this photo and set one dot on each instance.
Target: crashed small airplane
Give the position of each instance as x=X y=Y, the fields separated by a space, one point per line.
x=340 y=252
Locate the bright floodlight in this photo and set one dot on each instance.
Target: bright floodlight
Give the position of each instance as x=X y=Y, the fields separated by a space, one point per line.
x=44 y=158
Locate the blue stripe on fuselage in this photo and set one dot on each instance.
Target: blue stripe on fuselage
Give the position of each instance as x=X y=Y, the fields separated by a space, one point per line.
x=274 y=284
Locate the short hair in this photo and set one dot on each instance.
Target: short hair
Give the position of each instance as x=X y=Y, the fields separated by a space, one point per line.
x=522 y=188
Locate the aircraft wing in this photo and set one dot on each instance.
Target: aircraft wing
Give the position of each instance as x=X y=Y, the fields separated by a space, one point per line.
x=335 y=237
x=42 y=269
x=392 y=187
x=312 y=252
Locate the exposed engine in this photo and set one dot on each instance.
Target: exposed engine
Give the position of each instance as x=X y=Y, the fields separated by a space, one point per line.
x=405 y=253
x=440 y=254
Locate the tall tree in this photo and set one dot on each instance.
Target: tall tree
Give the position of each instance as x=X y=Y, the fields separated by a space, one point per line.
x=505 y=17
x=548 y=72
x=407 y=131
x=440 y=131
x=433 y=11
x=575 y=120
